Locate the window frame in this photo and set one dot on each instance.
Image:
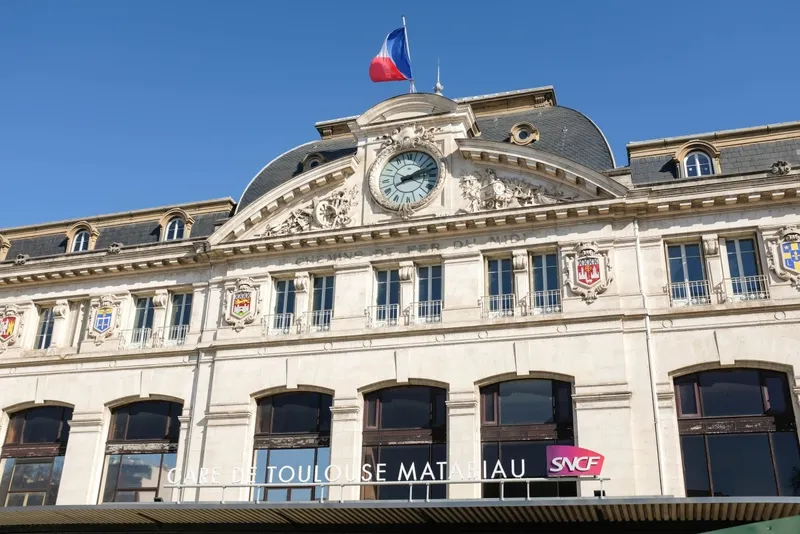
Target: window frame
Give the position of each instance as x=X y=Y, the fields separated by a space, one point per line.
x=183 y=296
x=738 y=254
x=80 y=241
x=44 y=328
x=682 y=245
x=544 y=254
x=500 y=260
x=325 y=306
x=173 y=227
x=374 y=435
x=694 y=154
x=389 y=282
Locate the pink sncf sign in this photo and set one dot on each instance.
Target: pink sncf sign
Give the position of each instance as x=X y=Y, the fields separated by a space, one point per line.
x=570 y=461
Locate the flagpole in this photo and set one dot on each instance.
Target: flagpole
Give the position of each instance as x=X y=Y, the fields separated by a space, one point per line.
x=411 y=88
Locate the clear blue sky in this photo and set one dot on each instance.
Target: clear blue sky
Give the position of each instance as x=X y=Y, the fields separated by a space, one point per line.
x=112 y=105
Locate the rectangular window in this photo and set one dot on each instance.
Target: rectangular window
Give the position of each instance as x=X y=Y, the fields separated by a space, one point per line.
x=746 y=281
x=545 y=293
x=294 y=465
x=44 y=335
x=322 y=303
x=284 y=297
x=137 y=477
x=143 y=317
x=181 y=309
x=688 y=283
x=501 y=287
x=429 y=300
x=30 y=481
x=387 y=301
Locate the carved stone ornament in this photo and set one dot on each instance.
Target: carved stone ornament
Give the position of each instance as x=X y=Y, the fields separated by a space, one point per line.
x=301 y=282
x=161 y=298
x=105 y=318
x=11 y=317
x=588 y=271
x=21 y=259
x=403 y=139
x=114 y=248
x=710 y=245
x=784 y=255
x=242 y=303
x=487 y=191
x=519 y=260
x=331 y=211
x=780 y=168
x=61 y=309
x=406 y=272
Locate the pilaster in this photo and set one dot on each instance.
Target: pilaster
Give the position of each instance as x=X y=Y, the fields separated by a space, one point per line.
x=346 y=427
x=519 y=264
x=407 y=279
x=84 y=459
x=463 y=442
x=60 y=324
x=301 y=296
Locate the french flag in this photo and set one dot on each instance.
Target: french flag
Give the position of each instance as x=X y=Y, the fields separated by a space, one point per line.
x=392 y=63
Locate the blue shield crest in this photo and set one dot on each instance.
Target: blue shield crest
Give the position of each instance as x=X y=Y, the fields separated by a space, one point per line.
x=790 y=255
x=102 y=321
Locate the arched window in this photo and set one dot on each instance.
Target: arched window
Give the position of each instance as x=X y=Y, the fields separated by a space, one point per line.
x=81 y=241
x=519 y=419
x=293 y=437
x=129 y=474
x=33 y=456
x=405 y=426
x=698 y=163
x=175 y=228
x=738 y=434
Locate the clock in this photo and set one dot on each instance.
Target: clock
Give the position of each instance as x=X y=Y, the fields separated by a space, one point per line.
x=407 y=179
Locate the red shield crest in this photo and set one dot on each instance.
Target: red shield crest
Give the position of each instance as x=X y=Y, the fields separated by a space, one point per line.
x=588 y=270
x=8 y=325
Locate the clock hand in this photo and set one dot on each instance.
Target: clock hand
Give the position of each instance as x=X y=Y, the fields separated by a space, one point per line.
x=413 y=175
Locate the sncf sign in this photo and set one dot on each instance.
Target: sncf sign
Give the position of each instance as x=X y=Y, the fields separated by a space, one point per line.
x=569 y=461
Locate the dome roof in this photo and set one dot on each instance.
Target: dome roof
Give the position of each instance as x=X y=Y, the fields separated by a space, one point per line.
x=563 y=132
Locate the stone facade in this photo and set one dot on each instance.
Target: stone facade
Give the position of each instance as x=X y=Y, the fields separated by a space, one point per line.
x=617 y=331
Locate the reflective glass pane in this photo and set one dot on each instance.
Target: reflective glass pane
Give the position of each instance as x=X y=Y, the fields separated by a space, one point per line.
x=787 y=462
x=410 y=457
x=35 y=499
x=55 y=480
x=526 y=402
x=695 y=467
x=731 y=393
x=676 y=274
x=31 y=476
x=5 y=481
x=687 y=398
x=406 y=408
x=16 y=499
x=494 y=277
x=776 y=394
x=295 y=412
x=42 y=424
x=260 y=463
x=147 y=420
x=741 y=465
x=694 y=262
x=139 y=471
x=488 y=407
x=112 y=473
x=170 y=461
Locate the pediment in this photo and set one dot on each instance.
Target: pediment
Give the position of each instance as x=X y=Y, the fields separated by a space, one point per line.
x=406 y=107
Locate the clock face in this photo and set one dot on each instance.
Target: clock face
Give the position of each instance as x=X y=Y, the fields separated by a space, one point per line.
x=408 y=177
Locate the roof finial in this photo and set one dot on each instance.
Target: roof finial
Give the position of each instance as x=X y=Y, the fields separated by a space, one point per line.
x=438 y=88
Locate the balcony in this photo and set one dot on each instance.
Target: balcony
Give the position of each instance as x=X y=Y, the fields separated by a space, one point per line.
x=689 y=293
x=317 y=321
x=746 y=288
x=497 y=306
x=543 y=302
x=383 y=316
x=171 y=336
x=149 y=338
x=278 y=324
x=136 y=338
x=425 y=312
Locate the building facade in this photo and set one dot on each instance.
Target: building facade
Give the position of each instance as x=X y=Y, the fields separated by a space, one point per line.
x=443 y=285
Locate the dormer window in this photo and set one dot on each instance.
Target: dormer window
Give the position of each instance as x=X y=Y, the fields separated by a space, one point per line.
x=312 y=161
x=175 y=229
x=698 y=163
x=81 y=241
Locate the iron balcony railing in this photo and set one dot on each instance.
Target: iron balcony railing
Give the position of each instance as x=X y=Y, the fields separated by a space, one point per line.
x=317 y=321
x=425 y=312
x=136 y=338
x=278 y=324
x=544 y=302
x=382 y=316
x=495 y=306
x=746 y=288
x=689 y=293
x=171 y=336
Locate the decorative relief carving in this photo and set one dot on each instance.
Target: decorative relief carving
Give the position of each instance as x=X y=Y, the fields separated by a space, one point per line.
x=161 y=298
x=710 y=245
x=105 y=314
x=784 y=254
x=519 y=260
x=11 y=317
x=242 y=303
x=408 y=136
x=487 y=191
x=61 y=308
x=114 y=248
x=332 y=211
x=301 y=282
x=406 y=271
x=21 y=259
x=588 y=271
x=781 y=167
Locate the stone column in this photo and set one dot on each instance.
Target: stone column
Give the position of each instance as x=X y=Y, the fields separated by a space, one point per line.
x=60 y=324
x=346 y=439
x=407 y=278
x=463 y=286
x=83 y=463
x=519 y=263
x=301 y=300
x=463 y=443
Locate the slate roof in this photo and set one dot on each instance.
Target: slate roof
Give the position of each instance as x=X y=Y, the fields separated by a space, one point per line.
x=127 y=234
x=733 y=160
x=564 y=132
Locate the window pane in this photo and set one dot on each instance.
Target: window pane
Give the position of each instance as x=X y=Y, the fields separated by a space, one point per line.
x=506 y=279
x=741 y=465
x=676 y=274
x=408 y=455
x=35 y=499
x=16 y=499
x=748 y=254
x=695 y=467
x=55 y=480
x=731 y=393
x=787 y=461
x=31 y=476
x=325 y=413
x=139 y=471
x=5 y=481
x=42 y=425
x=147 y=420
x=563 y=402
x=488 y=406
x=295 y=412
x=372 y=412
x=733 y=261
x=112 y=474
x=423 y=273
x=494 y=277
x=299 y=467
x=526 y=402
x=687 y=398
x=394 y=287
x=552 y=274
x=436 y=283
x=776 y=394
x=406 y=408
x=694 y=263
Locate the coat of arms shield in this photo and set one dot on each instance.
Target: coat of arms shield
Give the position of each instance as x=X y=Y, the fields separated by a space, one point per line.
x=103 y=320
x=242 y=303
x=790 y=255
x=8 y=326
x=588 y=269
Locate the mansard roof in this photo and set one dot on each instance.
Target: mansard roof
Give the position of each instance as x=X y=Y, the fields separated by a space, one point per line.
x=563 y=132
